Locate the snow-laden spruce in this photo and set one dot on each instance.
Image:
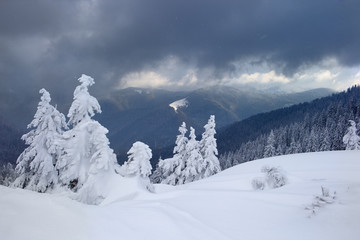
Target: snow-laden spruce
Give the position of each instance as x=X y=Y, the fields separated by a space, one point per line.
x=35 y=165
x=172 y=167
x=87 y=162
x=138 y=164
x=208 y=150
x=194 y=162
x=157 y=175
x=270 y=146
x=351 y=139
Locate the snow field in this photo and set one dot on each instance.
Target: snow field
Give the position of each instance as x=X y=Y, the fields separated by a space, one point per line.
x=223 y=206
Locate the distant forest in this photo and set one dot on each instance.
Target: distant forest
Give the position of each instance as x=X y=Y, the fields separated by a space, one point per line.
x=308 y=127
x=10 y=143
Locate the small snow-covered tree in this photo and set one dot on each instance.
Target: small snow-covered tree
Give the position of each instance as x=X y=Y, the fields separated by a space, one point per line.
x=325 y=144
x=157 y=175
x=87 y=162
x=7 y=174
x=35 y=165
x=208 y=150
x=172 y=167
x=84 y=105
x=138 y=164
x=351 y=139
x=193 y=160
x=294 y=147
x=167 y=168
x=270 y=145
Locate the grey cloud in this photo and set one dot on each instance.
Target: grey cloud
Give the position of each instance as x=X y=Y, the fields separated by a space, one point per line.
x=107 y=39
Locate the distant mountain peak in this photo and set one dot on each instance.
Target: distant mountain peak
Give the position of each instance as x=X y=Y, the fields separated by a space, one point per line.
x=182 y=103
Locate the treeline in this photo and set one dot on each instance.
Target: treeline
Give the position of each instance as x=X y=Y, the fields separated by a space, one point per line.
x=232 y=137
x=312 y=127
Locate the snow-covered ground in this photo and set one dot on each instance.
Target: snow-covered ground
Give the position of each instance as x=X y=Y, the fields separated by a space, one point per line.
x=221 y=207
x=179 y=104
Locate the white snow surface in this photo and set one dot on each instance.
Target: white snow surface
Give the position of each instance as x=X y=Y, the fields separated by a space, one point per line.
x=223 y=206
x=179 y=104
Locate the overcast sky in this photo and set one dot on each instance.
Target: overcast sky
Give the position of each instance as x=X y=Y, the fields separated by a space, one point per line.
x=177 y=44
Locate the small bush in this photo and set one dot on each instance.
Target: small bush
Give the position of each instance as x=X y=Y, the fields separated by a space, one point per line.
x=275 y=177
x=258 y=184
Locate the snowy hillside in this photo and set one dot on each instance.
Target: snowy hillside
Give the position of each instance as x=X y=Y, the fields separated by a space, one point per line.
x=179 y=103
x=221 y=207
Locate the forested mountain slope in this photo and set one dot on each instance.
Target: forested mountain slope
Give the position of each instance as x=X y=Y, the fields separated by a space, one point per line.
x=315 y=126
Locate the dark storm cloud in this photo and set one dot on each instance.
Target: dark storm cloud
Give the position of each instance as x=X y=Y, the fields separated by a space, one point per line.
x=50 y=43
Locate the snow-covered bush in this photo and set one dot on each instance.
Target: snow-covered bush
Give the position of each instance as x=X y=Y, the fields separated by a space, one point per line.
x=274 y=176
x=138 y=164
x=258 y=184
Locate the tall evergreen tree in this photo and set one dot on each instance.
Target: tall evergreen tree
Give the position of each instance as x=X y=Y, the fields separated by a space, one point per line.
x=325 y=144
x=87 y=161
x=35 y=165
x=172 y=167
x=193 y=160
x=208 y=150
x=351 y=139
x=270 y=145
x=294 y=147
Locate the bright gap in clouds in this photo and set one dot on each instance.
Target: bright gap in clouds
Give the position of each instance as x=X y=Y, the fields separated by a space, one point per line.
x=173 y=74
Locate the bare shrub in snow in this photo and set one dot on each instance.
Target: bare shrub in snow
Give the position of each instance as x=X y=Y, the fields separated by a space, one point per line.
x=320 y=201
x=274 y=176
x=258 y=184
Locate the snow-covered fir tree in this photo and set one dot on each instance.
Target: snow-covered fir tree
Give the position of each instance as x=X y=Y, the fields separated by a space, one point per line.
x=157 y=175
x=270 y=145
x=172 y=167
x=193 y=160
x=325 y=144
x=167 y=168
x=138 y=164
x=35 y=165
x=7 y=174
x=351 y=139
x=293 y=148
x=87 y=162
x=208 y=150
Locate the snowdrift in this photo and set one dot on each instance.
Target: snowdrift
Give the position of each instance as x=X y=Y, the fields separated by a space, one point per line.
x=223 y=206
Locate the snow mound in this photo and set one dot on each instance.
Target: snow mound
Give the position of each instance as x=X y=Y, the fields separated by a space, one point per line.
x=179 y=104
x=139 y=91
x=223 y=206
